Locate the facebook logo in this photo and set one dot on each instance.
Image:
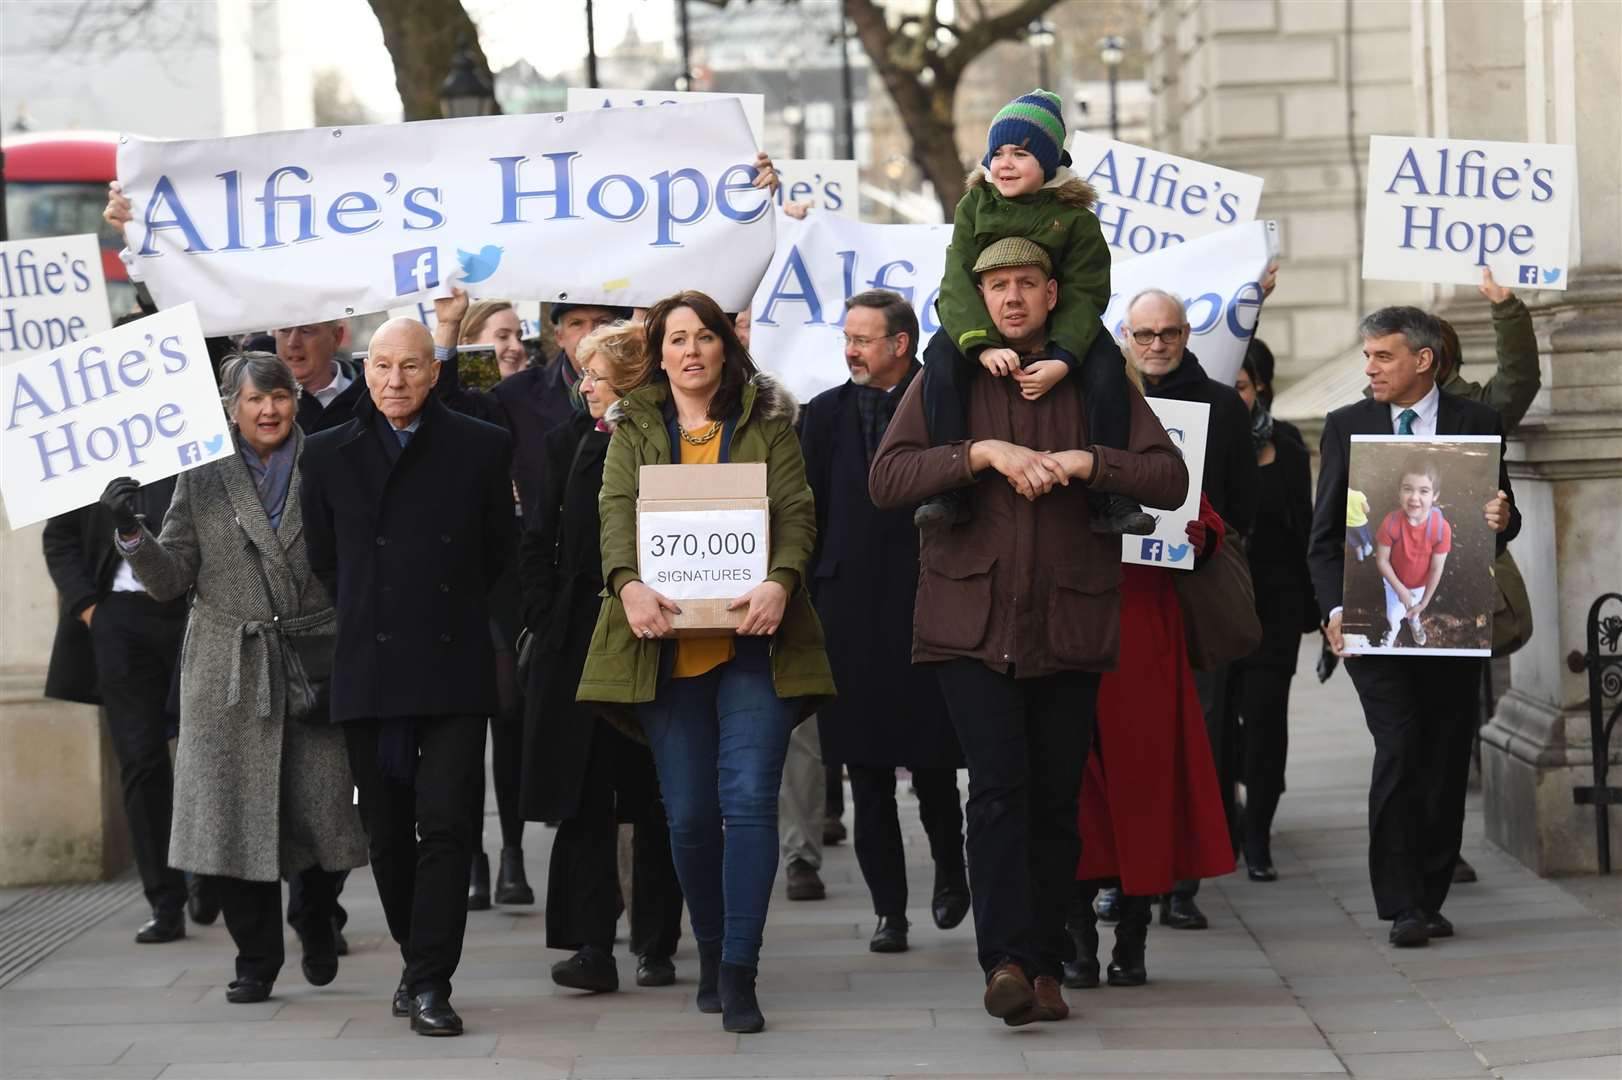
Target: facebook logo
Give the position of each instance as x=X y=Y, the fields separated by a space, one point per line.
x=415 y=270
x=189 y=452
x=1152 y=550
x=1529 y=274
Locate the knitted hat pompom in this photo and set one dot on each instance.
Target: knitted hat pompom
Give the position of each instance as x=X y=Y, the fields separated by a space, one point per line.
x=1034 y=121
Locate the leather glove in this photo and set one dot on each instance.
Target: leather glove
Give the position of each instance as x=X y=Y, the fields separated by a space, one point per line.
x=119 y=499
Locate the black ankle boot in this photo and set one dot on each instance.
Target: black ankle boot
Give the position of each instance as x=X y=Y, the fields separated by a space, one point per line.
x=512 y=887
x=740 y=1011
x=478 y=889
x=1127 y=966
x=1118 y=514
x=938 y=511
x=709 y=975
x=1082 y=973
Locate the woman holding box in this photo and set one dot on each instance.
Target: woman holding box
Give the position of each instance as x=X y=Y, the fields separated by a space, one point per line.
x=717 y=710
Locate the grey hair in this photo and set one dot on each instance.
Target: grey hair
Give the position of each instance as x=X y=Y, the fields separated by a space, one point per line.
x=266 y=371
x=1420 y=329
x=899 y=318
x=1164 y=295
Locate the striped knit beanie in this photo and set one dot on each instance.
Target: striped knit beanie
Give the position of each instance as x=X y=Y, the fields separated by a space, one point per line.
x=1034 y=121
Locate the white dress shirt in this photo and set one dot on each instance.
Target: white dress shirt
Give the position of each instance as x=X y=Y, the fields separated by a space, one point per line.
x=340 y=382
x=1425 y=423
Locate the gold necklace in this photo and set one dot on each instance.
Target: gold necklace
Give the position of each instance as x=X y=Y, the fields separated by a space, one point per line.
x=700 y=440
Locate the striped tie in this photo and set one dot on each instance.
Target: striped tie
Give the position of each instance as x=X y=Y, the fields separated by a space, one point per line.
x=1405 y=422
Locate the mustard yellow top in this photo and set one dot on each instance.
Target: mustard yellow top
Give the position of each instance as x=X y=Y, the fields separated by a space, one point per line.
x=1357 y=508
x=698 y=655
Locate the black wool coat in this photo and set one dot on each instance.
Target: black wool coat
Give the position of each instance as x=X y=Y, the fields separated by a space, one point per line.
x=1230 y=459
x=864 y=583
x=409 y=551
x=1278 y=553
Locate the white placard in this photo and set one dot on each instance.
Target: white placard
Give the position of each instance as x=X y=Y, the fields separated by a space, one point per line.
x=1439 y=210
x=1149 y=200
x=798 y=314
x=528 y=312
x=1219 y=278
x=52 y=293
x=702 y=554
x=619 y=207
x=138 y=400
x=1186 y=423
x=830 y=186
x=585 y=97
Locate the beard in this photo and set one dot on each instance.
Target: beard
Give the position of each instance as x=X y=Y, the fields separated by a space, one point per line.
x=861 y=376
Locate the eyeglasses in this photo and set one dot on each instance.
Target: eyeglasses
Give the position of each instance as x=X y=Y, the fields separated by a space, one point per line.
x=589 y=376
x=1168 y=335
x=864 y=342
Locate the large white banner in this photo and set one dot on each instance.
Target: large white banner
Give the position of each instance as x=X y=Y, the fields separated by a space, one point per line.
x=1149 y=200
x=1219 y=278
x=1186 y=422
x=52 y=293
x=578 y=98
x=528 y=312
x=138 y=400
x=612 y=206
x=829 y=185
x=798 y=314
x=1440 y=209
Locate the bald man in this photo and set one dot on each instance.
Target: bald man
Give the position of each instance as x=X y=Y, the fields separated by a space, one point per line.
x=408 y=522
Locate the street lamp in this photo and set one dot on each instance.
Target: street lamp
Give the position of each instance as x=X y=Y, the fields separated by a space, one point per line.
x=1041 y=37
x=895 y=167
x=465 y=91
x=1112 y=50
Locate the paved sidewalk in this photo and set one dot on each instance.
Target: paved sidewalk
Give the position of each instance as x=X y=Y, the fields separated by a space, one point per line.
x=1293 y=980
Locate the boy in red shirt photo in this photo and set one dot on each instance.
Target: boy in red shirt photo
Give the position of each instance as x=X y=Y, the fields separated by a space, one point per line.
x=1410 y=550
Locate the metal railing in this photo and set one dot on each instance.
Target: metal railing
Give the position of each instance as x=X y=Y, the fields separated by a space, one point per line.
x=1603 y=662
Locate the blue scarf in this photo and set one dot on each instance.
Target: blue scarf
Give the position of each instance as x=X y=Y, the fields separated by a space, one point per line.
x=271 y=477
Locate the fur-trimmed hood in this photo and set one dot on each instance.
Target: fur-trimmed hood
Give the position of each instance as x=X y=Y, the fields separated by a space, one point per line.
x=765 y=398
x=1071 y=189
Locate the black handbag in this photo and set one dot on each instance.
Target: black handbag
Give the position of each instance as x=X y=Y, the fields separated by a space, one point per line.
x=306 y=660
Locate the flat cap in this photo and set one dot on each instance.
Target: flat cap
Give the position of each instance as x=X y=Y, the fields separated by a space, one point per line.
x=1013 y=251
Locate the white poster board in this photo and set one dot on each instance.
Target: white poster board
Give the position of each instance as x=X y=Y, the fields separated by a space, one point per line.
x=1149 y=200
x=1438 y=210
x=585 y=97
x=52 y=293
x=829 y=185
x=702 y=554
x=798 y=313
x=1186 y=423
x=618 y=207
x=138 y=400
x=1219 y=278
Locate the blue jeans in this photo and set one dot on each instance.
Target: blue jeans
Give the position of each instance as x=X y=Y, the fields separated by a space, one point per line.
x=719 y=740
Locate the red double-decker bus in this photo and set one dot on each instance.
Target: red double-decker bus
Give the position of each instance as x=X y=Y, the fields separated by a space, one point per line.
x=56 y=185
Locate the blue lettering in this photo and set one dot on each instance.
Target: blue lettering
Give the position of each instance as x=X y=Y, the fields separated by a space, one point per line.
x=1541 y=181
x=169 y=347
x=165 y=413
x=737 y=179
x=1212 y=316
x=352 y=202
x=639 y=198
x=1502 y=178
x=1248 y=295
x=1410 y=226
x=71 y=449
x=432 y=218
x=233 y=210
x=130 y=367
x=1106 y=169
x=1227 y=209
x=927 y=323
x=561 y=193
x=881 y=275
x=164 y=191
x=34 y=400
x=807 y=294
x=833 y=193
x=667 y=220
x=1408 y=169
x=272 y=201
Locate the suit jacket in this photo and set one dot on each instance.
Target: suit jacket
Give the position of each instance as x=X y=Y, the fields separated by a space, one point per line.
x=314 y=417
x=409 y=549
x=1327 y=554
x=82 y=560
x=864 y=583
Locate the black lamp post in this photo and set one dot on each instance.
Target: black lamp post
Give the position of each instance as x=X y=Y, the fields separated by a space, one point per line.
x=1112 y=50
x=465 y=91
x=1041 y=37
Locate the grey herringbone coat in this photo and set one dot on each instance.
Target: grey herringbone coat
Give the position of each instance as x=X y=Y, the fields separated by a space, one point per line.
x=257 y=796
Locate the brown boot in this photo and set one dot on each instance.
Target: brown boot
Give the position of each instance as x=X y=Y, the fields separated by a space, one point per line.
x=1009 y=996
x=1050 y=1003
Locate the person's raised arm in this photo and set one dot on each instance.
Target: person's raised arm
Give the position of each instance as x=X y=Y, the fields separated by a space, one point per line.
x=1518 y=378
x=166 y=565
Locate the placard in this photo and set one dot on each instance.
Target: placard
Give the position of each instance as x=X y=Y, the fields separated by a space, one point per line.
x=702 y=554
x=1219 y=278
x=1186 y=423
x=1149 y=200
x=578 y=98
x=52 y=293
x=830 y=186
x=1439 y=210
x=618 y=206
x=798 y=313
x=138 y=400
x=1418 y=578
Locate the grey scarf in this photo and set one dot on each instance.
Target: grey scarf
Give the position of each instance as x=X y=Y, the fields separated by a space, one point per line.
x=271 y=477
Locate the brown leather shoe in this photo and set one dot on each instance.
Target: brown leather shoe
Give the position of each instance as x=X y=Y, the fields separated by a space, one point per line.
x=1009 y=996
x=1050 y=1003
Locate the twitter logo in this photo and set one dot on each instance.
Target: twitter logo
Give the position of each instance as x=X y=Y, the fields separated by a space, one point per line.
x=479 y=266
x=213 y=445
x=1177 y=552
x=1551 y=276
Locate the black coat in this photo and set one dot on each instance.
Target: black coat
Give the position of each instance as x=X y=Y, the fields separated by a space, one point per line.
x=314 y=417
x=82 y=560
x=864 y=582
x=1230 y=459
x=560 y=572
x=1326 y=554
x=410 y=551
x=1278 y=551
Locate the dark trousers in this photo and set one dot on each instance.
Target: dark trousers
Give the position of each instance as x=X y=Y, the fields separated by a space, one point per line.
x=834 y=800
x=253 y=915
x=879 y=850
x=1212 y=687
x=583 y=877
x=306 y=902
x=1026 y=743
x=137 y=645
x=422 y=833
x=1422 y=714
x=507 y=750
x=1264 y=707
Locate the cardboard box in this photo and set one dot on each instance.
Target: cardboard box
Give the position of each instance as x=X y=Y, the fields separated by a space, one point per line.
x=703 y=539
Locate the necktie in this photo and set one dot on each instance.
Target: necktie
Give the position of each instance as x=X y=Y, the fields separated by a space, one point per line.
x=405 y=436
x=1405 y=422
